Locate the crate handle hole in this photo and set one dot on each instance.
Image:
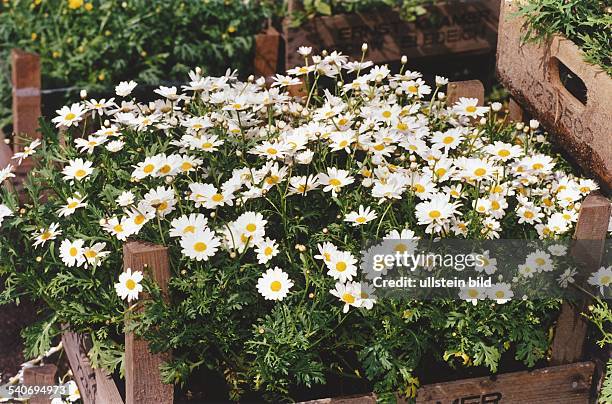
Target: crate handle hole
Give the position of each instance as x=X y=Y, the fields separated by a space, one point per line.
x=571 y=82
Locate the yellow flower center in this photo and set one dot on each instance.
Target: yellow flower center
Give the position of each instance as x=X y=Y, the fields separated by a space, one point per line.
x=217 y=198
x=80 y=173
x=189 y=229
x=268 y=251
x=434 y=214
x=440 y=171
x=45 y=236
x=91 y=253
x=70 y=116
x=275 y=286
x=273 y=179
x=200 y=246
x=379 y=147
x=495 y=205
x=499 y=294
x=473 y=293
x=130 y=284
x=207 y=145
x=540 y=261
x=479 y=172
x=165 y=169
x=162 y=206
x=73 y=251
x=118 y=228
x=402 y=126
x=529 y=214
x=361 y=219
x=341 y=266
x=272 y=151
x=448 y=140
x=139 y=219
x=343 y=143
x=537 y=166
x=148 y=169
x=418 y=188
x=412 y=89
x=401 y=247
x=503 y=153
x=251 y=227
x=470 y=109
x=334 y=182
x=348 y=298
x=72 y=205
x=386 y=114
x=186 y=166
x=605 y=280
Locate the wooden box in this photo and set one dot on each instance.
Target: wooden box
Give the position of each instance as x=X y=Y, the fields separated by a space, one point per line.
x=530 y=72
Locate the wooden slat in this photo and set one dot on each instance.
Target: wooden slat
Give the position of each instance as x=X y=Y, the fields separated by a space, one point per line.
x=467 y=89
x=357 y=399
x=40 y=376
x=467 y=27
x=267 y=46
x=587 y=249
x=567 y=384
x=515 y=111
x=95 y=385
x=142 y=378
x=25 y=68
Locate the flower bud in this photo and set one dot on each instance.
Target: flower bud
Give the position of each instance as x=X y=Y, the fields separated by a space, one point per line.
x=534 y=124
x=483 y=121
x=364 y=47
x=404 y=59
x=83 y=94
x=496 y=106
x=441 y=95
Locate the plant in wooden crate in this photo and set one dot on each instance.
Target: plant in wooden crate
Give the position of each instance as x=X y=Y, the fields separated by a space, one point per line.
x=95 y=44
x=261 y=203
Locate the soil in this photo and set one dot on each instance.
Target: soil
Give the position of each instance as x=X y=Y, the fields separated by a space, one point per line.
x=12 y=319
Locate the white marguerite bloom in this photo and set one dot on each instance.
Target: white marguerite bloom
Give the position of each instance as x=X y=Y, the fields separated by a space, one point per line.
x=363 y=216
x=72 y=204
x=126 y=198
x=69 y=116
x=183 y=225
x=77 y=169
x=6 y=173
x=200 y=245
x=266 y=249
x=71 y=252
x=500 y=292
x=95 y=253
x=349 y=294
x=601 y=278
x=274 y=284
x=469 y=107
x=342 y=266
x=125 y=88
x=27 y=151
x=4 y=212
x=43 y=235
x=129 y=285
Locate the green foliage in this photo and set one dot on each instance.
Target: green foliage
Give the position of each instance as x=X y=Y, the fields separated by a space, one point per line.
x=95 y=44
x=588 y=23
x=408 y=9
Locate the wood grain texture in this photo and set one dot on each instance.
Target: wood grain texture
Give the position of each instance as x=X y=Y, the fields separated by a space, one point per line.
x=95 y=385
x=530 y=72
x=467 y=89
x=143 y=383
x=267 y=47
x=587 y=250
x=515 y=111
x=40 y=376
x=469 y=27
x=25 y=68
x=567 y=384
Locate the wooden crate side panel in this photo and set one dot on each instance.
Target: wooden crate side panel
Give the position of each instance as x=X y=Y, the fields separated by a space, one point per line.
x=26 y=94
x=530 y=72
x=459 y=28
x=567 y=384
x=40 y=376
x=143 y=384
x=95 y=385
x=267 y=48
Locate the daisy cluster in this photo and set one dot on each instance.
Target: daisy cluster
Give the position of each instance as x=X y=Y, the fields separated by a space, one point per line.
x=216 y=165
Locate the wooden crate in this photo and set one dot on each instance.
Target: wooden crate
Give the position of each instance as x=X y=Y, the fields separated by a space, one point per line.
x=447 y=28
x=531 y=73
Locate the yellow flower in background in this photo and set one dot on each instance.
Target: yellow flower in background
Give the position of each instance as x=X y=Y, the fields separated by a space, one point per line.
x=74 y=4
x=88 y=6
x=34 y=36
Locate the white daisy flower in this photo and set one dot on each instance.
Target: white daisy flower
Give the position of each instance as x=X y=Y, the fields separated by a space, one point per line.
x=334 y=180
x=200 y=245
x=115 y=145
x=129 y=285
x=4 y=212
x=95 y=253
x=363 y=216
x=274 y=284
x=472 y=294
x=500 y=292
x=27 y=151
x=45 y=235
x=342 y=266
x=71 y=252
x=469 y=107
x=125 y=88
x=183 y=225
x=326 y=251
x=6 y=173
x=68 y=116
x=162 y=199
x=602 y=278
x=348 y=293
x=120 y=228
x=77 y=169
x=125 y=199
x=266 y=249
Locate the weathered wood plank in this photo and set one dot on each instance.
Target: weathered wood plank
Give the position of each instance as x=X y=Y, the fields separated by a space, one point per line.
x=467 y=89
x=40 y=376
x=25 y=68
x=587 y=249
x=267 y=47
x=515 y=111
x=142 y=378
x=530 y=72
x=95 y=385
x=567 y=384
x=468 y=27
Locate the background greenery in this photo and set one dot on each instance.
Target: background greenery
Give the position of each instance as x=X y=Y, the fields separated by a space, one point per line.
x=586 y=22
x=94 y=44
